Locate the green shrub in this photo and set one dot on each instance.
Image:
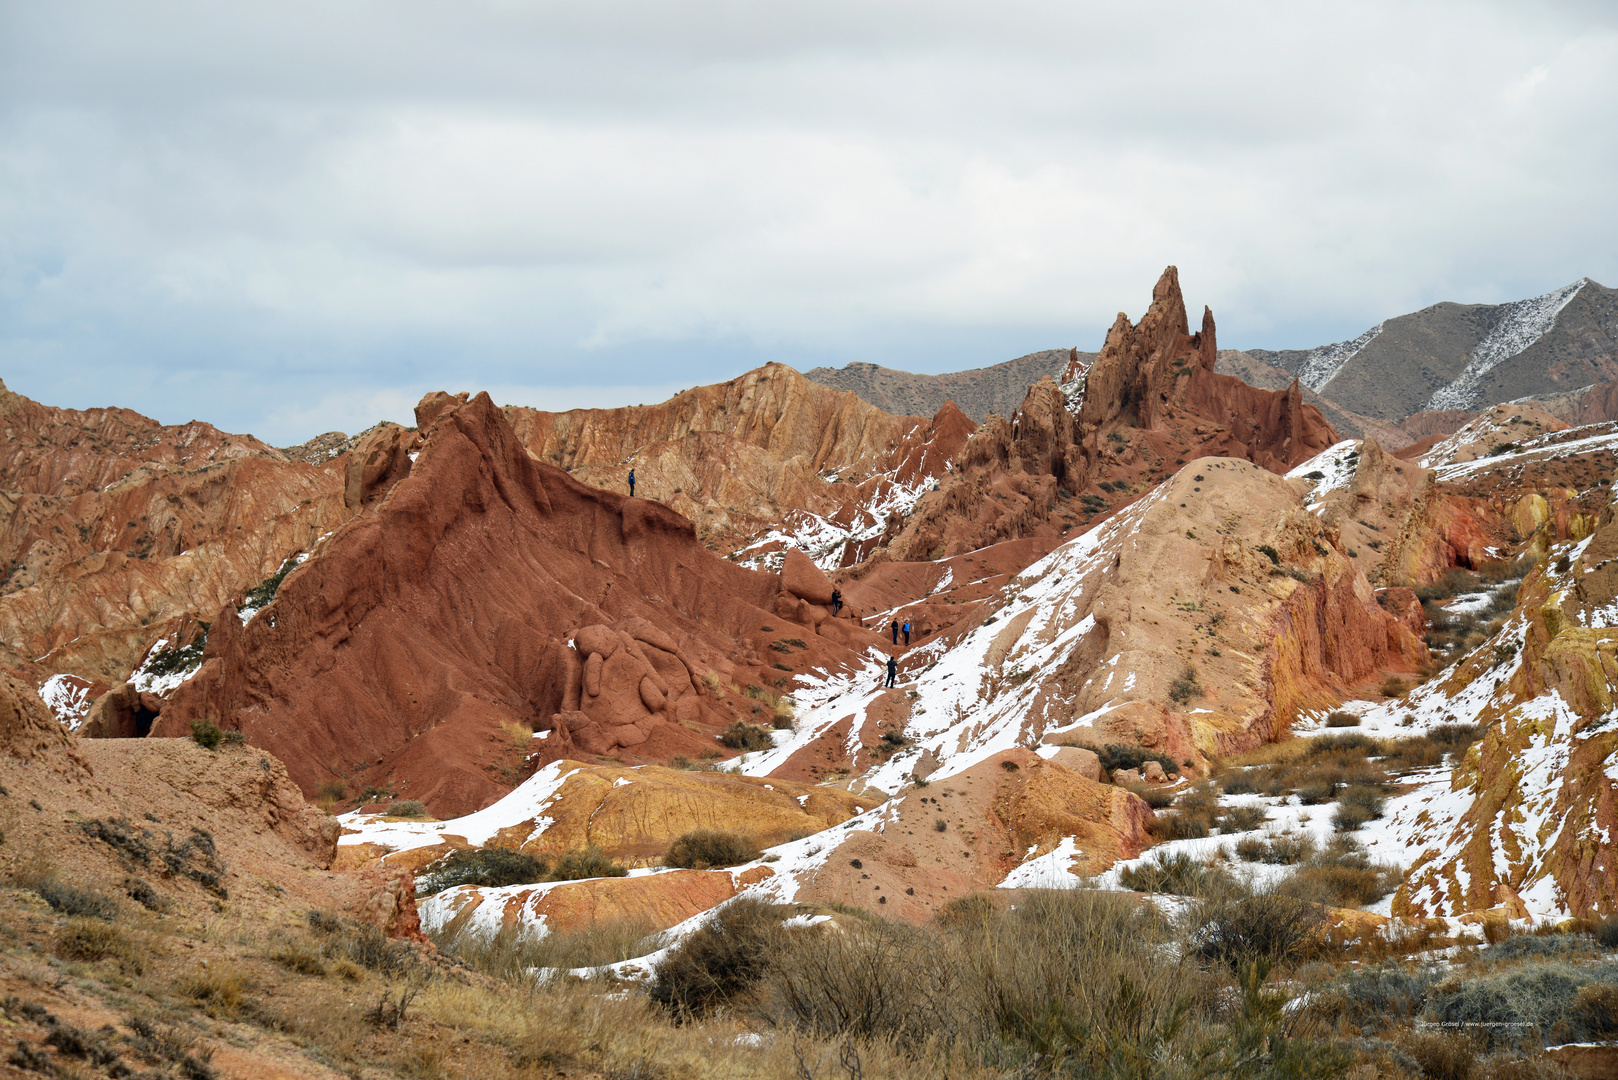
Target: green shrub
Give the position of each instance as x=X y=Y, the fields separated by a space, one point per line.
x=206 y=734
x=701 y=849
x=265 y=591
x=1274 y=556
x=1186 y=687
x=408 y=808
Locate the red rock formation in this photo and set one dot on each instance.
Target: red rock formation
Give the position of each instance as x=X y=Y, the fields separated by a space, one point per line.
x=1150 y=402
x=480 y=587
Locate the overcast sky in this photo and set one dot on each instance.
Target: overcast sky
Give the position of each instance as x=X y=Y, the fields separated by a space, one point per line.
x=291 y=217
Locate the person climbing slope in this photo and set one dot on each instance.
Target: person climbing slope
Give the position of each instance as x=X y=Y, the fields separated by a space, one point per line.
x=893 y=670
x=631 y=483
x=836 y=602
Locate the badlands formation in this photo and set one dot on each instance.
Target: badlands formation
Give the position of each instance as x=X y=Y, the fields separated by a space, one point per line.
x=1114 y=620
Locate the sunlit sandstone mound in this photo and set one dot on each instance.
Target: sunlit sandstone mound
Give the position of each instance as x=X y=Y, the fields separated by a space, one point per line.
x=120 y=531
x=481 y=593
x=1150 y=402
x=768 y=452
x=1527 y=823
x=1202 y=620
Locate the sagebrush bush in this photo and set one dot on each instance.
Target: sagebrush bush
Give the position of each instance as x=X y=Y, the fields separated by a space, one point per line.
x=701 y=849
x=483 y=867
x=744 y=736
x=408 y=808
x=72 y=900
x=1178 y=874
x=1342 y=720
x=1119 y=756
x=93 y=939
x=721 y=961
x=1267 y=926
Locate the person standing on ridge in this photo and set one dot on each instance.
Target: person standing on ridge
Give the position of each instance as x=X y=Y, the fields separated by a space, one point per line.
x=895 y=631
x=631 y=483
x=907 y=631
x=893 y=670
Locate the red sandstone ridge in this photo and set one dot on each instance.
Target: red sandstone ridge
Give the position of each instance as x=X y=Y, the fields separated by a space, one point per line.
x=120 y=531
x=481 y=593
x=768 y=453
x=1111 y=431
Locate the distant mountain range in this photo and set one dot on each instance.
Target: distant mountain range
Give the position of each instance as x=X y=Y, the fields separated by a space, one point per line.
x=1403 y=379
x=1466 y=356
x=977 y=393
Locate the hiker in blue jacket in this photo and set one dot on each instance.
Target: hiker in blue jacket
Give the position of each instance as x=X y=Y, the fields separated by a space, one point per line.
x=907 y=631
x=631 y=483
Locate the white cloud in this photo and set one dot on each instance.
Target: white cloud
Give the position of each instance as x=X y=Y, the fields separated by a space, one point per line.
x=201 y=203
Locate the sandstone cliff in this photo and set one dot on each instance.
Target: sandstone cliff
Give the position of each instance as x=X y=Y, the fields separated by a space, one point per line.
x=1527 y=822
x=765 y=461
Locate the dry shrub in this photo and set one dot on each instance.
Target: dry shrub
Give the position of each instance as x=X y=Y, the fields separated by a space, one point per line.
x=744 y=736
x=1270 y=927
x=1341 y=875
x=488 y=867
x=92 y=940
x=74 y=901
x=1158 y=798
x=220 y=989
x=408 y=808
x=721 y=961
x=1442 y=1055
x=298 y=955
x=359 y=943
x=1342 y=719
x=514 y=953
x=701 y=849
x=1235 y=819
x=1178 y=874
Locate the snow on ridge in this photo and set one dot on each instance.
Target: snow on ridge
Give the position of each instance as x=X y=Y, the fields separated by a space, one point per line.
x=1519 y=324
x=1337 y=462
x=67 y=696
x=1322 y=365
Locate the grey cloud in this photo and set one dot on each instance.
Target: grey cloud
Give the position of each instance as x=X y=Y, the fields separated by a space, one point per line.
x=200 y=202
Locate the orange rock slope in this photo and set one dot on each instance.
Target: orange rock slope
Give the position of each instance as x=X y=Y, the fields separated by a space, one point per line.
x=119 y=531
x=768 y=452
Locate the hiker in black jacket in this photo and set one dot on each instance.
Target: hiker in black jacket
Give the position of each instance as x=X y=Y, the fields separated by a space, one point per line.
x=896 y=631
x=836 y=602
x=893 y=670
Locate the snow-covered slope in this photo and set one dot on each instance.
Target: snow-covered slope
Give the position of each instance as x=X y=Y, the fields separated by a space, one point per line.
x=1517 y=326
x=1322 y=365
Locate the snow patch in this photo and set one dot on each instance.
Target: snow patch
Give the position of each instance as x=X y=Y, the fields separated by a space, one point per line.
x=1518 y=325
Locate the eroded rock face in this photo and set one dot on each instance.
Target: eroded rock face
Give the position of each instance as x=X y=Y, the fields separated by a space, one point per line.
x=123 y=531
x=1529 y=823
x=754 y=455
x=484 y=588
x=1170 y=626
x=1150 y=402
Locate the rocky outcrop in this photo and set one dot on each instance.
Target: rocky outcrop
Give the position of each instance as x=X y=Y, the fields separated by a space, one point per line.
x=479 y=593
x=118 y=531
x=1528 y=823
x=1112 y=430
x=979 y=392
x=767 y=452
